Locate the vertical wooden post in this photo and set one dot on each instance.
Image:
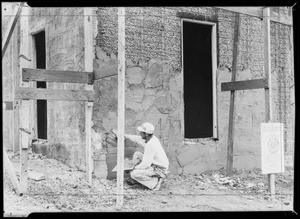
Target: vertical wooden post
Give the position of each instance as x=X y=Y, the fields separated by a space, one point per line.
x=11 y=173
x=88 y=62
x=24 y=104
x=121 y=105
x=25 y=115
x=268 y=91
x=232 y=96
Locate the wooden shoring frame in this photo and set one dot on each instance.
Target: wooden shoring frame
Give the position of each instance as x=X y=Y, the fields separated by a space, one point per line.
x=265 y=83
x=230 y=140
x=7 y=163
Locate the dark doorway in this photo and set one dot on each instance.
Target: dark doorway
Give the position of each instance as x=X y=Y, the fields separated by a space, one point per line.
x=197 y=68
x=40 y=46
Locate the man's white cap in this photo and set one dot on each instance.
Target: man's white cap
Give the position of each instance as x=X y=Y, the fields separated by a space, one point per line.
x=146 y=127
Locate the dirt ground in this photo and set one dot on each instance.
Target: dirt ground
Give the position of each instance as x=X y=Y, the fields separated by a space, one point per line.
x=66 y=189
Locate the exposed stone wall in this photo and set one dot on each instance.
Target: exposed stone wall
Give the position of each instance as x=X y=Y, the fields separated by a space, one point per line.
x=64 y=51
x=154 y=83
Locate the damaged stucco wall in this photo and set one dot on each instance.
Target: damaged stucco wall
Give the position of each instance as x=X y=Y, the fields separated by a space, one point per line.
x=9 y=70
x=64 y=51
x=154 y=87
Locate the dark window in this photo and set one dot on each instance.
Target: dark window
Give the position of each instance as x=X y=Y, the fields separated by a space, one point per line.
x=198 y=92
x=40 y=47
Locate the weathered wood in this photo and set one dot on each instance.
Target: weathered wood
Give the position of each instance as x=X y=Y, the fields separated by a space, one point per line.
x=121 y=104
x=24 y=104
x=267 y=64
x=252 y=11
x=11 y=27
x=88 y=62
x=232 y=96
x=106 y=71
x=8 y=105
x=57 y=76
x=88 y=137
x=244 y=85
x=258 y=12
x=268 y=91
x=214 y=75
x=24 y=170
x=25 y=141
x=11 y=173
x=25 y=115
x=16 y=137
x=53 y=94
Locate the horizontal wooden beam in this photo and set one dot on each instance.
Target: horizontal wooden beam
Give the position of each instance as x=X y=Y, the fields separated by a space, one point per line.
x=52 y=94
x=29 y=74
x=244 y=85
x=258 y=12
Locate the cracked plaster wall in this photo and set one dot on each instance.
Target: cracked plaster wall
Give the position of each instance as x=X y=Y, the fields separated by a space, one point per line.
x=64 y=51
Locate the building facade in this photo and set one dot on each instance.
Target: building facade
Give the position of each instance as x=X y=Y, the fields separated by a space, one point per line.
x=176 y=60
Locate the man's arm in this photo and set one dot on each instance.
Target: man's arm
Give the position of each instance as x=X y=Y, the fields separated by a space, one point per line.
x=147 y=158
x=135 y=138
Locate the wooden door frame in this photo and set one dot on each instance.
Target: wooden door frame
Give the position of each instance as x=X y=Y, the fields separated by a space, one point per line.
x=214 y=68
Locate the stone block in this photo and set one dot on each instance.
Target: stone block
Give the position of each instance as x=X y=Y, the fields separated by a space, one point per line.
x=135 y=75
x=188 y=154
x=154 y=77
x=196 y=167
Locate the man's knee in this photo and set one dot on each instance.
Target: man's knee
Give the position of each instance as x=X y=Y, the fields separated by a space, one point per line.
x=134 y=174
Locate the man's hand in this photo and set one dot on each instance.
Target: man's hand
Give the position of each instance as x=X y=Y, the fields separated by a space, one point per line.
x=115 y=132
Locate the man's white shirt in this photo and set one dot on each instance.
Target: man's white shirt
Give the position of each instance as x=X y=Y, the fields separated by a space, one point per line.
x=153 y=152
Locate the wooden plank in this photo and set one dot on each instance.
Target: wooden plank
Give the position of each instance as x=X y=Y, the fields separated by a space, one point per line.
x=53 y=94
x=268 y=91
x=267 y=64
x=232 y=96
x=214 y=83
x=121 y=104
x=16 y=139
x=11 y=173
x=252 y=11
x=25 y=141
x=88 y=63
x=88 y=145
x=24 y=104
x=258 y=12
x=244 y=85
x=11 y=27
x=24 y=170
x=30 y=74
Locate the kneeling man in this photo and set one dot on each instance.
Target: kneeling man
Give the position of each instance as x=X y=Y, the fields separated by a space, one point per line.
x=151 y=166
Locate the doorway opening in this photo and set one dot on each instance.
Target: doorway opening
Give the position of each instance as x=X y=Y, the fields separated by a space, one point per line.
x=40 y=48
x=199 y=64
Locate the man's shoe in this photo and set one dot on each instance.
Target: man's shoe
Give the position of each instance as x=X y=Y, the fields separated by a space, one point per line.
x=131 y=181
x=159 y=182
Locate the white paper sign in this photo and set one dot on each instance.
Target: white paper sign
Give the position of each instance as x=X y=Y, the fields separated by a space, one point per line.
x=272 y=150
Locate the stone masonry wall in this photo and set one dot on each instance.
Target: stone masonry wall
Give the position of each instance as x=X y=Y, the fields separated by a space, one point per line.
x=154 y=84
